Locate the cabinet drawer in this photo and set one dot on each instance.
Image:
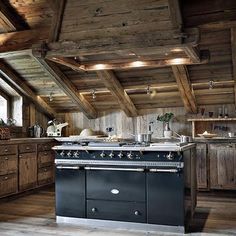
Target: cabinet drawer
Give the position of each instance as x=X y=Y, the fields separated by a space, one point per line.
x=46 y=175
x=8 y=150
x=27 y=148
x=8 y=184
x=8 y=164
x=107 y=185
x=114 y=210
x=45 y=158
x=45 y=147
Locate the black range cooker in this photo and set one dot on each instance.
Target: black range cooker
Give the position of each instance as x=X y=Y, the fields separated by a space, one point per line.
x=127 y=183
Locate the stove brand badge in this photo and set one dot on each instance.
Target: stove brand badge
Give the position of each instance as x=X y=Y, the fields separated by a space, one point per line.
x=115 y=191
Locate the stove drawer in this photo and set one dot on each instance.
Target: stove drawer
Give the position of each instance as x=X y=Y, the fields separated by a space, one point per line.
x=115 y=210
x=119 y=184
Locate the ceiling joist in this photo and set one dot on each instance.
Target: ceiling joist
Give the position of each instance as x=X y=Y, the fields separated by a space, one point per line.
x=182 y=79
x=10 y=76
x=67 y=87
x=9 y=19
x=113 y=85
x=59 y=7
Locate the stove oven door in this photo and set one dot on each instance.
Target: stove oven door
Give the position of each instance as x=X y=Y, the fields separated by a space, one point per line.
x=70 y=191
x=165 y=197
x=116 y=193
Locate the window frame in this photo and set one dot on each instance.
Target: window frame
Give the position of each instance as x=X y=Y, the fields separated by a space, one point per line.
x=8 y=98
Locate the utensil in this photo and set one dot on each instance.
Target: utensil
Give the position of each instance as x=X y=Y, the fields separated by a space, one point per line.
x=231 y=134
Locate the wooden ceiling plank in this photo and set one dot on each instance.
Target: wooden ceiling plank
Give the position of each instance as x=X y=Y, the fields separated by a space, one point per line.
x=113 y=85
x=9 y=20
x=67 y=87
x=182 y=79
x=193 y=53
x=57 y=20
x=10 y=76
x=233 y=46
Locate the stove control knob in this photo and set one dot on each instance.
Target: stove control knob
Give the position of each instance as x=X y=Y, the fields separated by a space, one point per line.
x=62 y=153
x=69 y=154
x=170 y=156
x=102 y=155
x=130 y=155
x=120 y=155
x=137 y=213
x=111 y=155
x=76 y=154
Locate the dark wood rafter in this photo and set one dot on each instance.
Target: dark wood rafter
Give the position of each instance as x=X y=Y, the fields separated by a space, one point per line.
x=15 y=81
x=9 y=19
x=113 y=85
x=183 y=82
x=233 y=46
x=175 y=14
x=59 y=7
x=21 y=40
x=67 y=87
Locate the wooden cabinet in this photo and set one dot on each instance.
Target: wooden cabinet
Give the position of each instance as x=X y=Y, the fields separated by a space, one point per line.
x=46 y=175
x=8 y=169
x=222 y=166
x=27 y=171
x=202 y=166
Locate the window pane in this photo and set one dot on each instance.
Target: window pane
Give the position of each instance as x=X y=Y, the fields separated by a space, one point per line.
x=3 y=109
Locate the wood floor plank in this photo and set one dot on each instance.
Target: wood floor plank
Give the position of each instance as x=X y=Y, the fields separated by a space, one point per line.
x=34 y=215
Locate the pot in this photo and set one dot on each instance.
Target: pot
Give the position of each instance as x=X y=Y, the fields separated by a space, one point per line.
x=38 y=131
x=185 y=139
x=142 y=138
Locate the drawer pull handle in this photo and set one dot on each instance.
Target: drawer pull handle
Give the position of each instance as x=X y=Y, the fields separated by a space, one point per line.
x=115 y=169
x=6 y=150
x=94 y=209
x=137 y=213
x=6 y=158
x=115 y=191
x=45 y=170
x=69 y=167
x=6 y=178
x=165 y=170
x=27 y=148
x=20 y=156
x=45 y=153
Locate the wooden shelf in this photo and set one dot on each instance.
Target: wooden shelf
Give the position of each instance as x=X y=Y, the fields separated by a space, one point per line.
x=212 y=119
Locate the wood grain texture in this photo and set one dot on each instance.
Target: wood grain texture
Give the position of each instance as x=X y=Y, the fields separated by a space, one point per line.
x=233 y=45
x=112 y=83
x=183 y=81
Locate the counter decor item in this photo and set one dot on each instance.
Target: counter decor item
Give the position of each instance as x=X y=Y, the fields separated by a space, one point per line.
x=207 y=135
x=232 y=135
x=166 y=121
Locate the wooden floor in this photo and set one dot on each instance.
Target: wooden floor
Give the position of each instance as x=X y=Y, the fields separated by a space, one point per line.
x=34 y=215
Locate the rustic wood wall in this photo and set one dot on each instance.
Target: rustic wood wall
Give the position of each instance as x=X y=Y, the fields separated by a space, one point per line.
x=124 y=125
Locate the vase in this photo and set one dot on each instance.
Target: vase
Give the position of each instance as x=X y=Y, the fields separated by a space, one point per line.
x=167 y=132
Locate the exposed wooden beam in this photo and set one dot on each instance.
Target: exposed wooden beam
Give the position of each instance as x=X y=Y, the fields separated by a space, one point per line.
x=182 y=79
x=67 y=87
x=193 y=53
x=107 y=65
x=233 y=46
x=9 y=19
x=10 y=76
x=175 y=14
x=21 y=40
x=148 y=43
x=57 y=20
x=113 y=85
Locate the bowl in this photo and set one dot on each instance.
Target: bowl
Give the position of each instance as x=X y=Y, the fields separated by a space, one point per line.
x=86 y=133
x=208 y=135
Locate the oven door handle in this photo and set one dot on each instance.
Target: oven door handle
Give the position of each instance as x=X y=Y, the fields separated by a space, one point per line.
x=165 y=170
x=115 y=169
x=68 y=167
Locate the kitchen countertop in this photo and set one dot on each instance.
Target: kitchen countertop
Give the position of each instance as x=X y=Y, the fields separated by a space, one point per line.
x=215 y=140
x=26 y=140
x=172 y=148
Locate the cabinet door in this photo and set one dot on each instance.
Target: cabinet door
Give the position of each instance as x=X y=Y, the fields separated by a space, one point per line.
x=202 y=164
x=222 y=166
x=8 y=164
x=27 y=171
x=46 y=175
x=8 y=184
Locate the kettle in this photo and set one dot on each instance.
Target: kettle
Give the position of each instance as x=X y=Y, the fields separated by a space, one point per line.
x=38 y=131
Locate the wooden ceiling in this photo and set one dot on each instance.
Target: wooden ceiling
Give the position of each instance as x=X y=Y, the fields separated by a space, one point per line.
x=121 y=50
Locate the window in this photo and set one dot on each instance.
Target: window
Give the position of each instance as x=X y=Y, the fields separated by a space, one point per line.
x=3 y=109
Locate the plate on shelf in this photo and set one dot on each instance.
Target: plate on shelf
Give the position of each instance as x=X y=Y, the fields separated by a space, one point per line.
x=207 y=135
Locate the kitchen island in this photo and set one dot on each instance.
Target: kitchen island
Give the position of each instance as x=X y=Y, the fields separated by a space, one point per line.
x=146 y=187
